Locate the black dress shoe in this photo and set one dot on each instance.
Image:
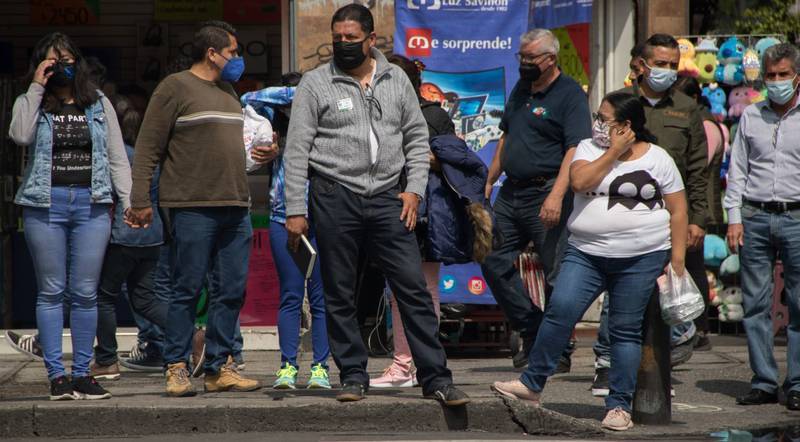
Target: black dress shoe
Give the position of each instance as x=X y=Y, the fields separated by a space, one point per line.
x=758 y=397
x=793 y=401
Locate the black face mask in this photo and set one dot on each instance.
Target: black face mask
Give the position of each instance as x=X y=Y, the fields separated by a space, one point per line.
x=348 y=55
x=63 y=74
x=529 y=72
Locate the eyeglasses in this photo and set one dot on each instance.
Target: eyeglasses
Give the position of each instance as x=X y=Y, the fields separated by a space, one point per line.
x=599 y=118
x=529 y=59
x=373 y=102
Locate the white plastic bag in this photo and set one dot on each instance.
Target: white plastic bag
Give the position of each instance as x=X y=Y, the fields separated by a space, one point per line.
x=679 y=297
x=257 y=132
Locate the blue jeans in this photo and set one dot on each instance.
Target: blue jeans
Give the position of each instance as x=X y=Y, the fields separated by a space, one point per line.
x=162 y=286
x=680 y=333
x=767 y=237
x=216 y=239
x=67 y=243
x=630 y=283
x=292 y=294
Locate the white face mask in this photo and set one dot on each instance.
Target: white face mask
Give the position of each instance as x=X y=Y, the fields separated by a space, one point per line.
x=781 y=92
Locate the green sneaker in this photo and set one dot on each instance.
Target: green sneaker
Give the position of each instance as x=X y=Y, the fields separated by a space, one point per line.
x=287 y=377
x=319 y=378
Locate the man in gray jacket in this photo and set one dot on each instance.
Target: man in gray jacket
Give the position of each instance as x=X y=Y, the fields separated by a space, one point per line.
x=356 y=126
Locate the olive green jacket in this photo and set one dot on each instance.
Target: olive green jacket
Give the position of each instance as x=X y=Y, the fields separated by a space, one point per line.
x=678 y=126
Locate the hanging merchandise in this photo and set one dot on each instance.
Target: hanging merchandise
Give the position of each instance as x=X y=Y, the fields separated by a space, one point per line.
x=739 y=98
x=706 y=60
x=687 y=68
x=730 y=55
x=729 y=304
x=764 y=44
x=714 y=250
x=752 y=65
x=716 y=96
x=531 y=271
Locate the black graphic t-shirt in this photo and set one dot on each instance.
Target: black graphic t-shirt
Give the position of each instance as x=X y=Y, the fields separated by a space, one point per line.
x=72 y=148
x=625 y=215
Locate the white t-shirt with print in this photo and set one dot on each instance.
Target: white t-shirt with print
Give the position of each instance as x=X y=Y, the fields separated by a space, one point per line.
x=625 y=215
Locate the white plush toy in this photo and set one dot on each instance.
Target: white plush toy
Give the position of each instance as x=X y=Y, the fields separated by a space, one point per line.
x=729 y=304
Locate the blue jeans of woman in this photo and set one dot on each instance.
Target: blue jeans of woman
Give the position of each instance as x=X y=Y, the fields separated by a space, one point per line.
x=67 y=242
x=292 y=294
x=630 y=283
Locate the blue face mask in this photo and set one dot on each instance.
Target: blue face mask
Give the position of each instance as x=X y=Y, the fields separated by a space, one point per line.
x=233 y=69
x=661 y=79
x=780 y=92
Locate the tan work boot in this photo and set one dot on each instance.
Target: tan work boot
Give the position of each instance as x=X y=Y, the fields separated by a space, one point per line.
x=178 y=382
x=104 y=372
x=228 y=379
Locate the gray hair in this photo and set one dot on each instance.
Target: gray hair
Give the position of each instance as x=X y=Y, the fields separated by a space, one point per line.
x=779 y=52
x=538 y=34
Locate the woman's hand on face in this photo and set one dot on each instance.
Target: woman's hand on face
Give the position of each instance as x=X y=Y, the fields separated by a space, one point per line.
x=621 y=139
x=41 y=75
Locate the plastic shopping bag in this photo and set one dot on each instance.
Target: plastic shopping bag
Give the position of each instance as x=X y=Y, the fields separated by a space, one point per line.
x=531 y=271
x=257 y=132
x=679 y=297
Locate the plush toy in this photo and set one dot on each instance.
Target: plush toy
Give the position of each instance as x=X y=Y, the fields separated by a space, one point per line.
x=752 y=65
x=730 y=55
x=686 y=67
x=757 y=96
x=729 y=304
x=706 y=60
x=764 y=44
x=714 y=250
x=714 y=286
x=730 y=266
x=716 y=96
x=739 y=99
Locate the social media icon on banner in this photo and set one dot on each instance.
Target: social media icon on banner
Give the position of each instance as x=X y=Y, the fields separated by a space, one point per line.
x=476 y=286
x=447 y=284
x=428 y=4
x=418 y=42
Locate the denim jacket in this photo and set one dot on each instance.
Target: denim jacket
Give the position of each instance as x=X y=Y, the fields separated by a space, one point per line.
x=126 y=236
x=33 y=127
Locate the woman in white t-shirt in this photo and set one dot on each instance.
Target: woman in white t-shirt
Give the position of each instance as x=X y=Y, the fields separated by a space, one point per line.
x=630 y=219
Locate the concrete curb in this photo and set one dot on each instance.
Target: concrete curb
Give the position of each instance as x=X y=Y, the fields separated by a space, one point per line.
x=92 y=419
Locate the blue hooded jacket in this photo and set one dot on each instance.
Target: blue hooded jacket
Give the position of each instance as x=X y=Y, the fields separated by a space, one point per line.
x=461 y=183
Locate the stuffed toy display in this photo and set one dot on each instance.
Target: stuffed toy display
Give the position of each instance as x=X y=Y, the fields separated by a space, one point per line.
x=714 y=250
x=763 y=45
x=716 y=96
x=730 y=70
x=686 y=67
x=751 y=63
x=729 y=304
x=739 y=98
x=706 y=60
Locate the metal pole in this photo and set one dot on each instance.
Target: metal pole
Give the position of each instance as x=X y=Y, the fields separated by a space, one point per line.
x=652 y=403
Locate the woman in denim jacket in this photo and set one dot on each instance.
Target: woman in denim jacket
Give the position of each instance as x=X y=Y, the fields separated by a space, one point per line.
x=76 y=162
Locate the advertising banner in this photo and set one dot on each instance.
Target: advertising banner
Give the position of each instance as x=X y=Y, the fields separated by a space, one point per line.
x=467 y=47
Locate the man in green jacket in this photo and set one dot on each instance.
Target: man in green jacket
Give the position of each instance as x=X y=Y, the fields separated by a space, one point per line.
x=675 y=120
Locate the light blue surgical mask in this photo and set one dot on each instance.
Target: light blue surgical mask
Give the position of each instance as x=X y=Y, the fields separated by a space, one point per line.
x=780 y=92
x=661 y=79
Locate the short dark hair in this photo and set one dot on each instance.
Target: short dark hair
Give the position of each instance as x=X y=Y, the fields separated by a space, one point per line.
x=84 y=89
x=291 y=79
x=211 y=34
x=628 y=107
x=357 y=13
x=410 y=68
x=637 y=50
x=658 y=40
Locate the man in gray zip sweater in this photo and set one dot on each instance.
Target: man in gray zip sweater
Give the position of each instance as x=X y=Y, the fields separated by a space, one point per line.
x=356 y=125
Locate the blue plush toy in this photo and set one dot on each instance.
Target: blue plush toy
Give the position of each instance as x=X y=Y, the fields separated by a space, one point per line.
x=730 y=70
x=764 y=44
x=716 y=96
x=714 y=250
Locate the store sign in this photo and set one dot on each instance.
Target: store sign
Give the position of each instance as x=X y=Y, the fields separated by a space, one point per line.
x=252 y=12
x=188 y=10
x=64 y=12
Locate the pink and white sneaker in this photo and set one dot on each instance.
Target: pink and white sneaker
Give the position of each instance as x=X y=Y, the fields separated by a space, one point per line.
x=395 y=377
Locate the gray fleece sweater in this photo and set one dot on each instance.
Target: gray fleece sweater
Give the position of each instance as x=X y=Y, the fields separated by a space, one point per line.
x=329 y=133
